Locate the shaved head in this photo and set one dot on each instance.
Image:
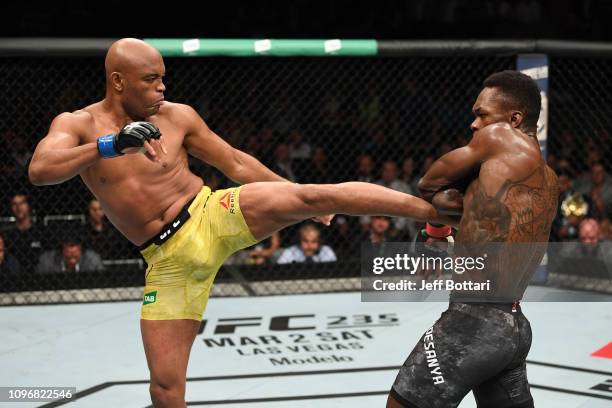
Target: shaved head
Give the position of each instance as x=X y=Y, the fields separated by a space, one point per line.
x=128 y=54
x=134 y=77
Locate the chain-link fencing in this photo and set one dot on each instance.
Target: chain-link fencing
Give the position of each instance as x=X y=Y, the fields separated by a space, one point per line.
x=312 y=120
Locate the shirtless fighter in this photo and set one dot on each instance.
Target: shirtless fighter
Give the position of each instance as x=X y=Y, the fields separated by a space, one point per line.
x=185 y=231
x=480 y=342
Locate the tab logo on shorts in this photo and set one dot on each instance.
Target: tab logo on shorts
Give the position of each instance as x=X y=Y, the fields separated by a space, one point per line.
x=149 y=298
x=228 y=201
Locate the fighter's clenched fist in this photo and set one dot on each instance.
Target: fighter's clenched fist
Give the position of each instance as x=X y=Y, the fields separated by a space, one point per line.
x=132 y=135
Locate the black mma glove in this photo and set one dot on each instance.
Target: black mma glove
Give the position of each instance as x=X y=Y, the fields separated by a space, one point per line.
x=134 y=134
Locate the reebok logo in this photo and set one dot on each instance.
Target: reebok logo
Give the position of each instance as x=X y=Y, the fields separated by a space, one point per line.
x=228 y=202
x=149 y=298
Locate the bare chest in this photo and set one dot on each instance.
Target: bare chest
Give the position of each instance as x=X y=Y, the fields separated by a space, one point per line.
x=117 y=169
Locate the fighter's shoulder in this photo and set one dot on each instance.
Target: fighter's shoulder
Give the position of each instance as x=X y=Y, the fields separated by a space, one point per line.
x=493 y=134
x=79 y=120
x=177 y=111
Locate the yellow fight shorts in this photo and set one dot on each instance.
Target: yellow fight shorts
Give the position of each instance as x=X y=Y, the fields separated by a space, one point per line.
x=185 y=256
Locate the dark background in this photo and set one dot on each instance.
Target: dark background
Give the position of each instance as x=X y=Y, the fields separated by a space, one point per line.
x=409 y=19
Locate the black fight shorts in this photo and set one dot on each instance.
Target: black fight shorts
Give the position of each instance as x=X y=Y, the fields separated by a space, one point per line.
x=477 y=346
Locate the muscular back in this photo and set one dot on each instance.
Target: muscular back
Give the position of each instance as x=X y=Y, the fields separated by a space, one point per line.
x=514 y=197
x=508 y=211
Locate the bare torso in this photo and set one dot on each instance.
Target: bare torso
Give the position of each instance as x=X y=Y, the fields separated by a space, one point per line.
x=508 y=212
x=140 y=196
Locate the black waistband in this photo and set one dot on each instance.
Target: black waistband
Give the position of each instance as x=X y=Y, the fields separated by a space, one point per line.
x=513 y=307
x=170 y=228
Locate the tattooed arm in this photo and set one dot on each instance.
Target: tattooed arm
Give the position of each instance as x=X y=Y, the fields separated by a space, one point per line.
x=460 y=163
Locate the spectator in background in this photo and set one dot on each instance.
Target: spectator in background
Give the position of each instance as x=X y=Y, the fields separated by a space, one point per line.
x=214 y=179
x=343 y=232
x=390 y=180
x=370 y=106
x=14 y=158
x=378 y=231
x=252 y=146
x=331 y=110
x=282 y=164
x=565 y=227
x=309 y=250
x=318 y=169
x=407 y=175
x=267 y=139
x=403 y=228
x=605 y=230
x=565 y=165
x=25 y=239
x=298 y=148
x=8 y=263
x=264 y=251
x=379 y=147
x=567 y=143
x=365 y=168
x=593 y=153
x=589 y=234
x=286 y=114
x=589 y=245
x=101 y=237
x=71 y=258
x=599 y=188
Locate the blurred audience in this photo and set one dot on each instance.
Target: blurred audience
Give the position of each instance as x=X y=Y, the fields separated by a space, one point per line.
x=598 y=186
x=342 y=233
x=318 y=170
x=365 y=168
x=572 y=208
x=403 y=228
x=70 y=258
x=363 y=146
x=605 y=230
x=25 y=239
x=298 y=148
x=408 y=176
x=14 y=157
x=264 y=252
x=589 y=246
x=378 y=231
x=267 y=139
x=370 y=106
x=309 y=249
x=282 y=164
x=100 y=236
x=390 y=180
x=379 y=147
x=8 y=263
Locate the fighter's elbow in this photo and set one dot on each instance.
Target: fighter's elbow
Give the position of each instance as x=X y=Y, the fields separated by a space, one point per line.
x=426 y=188
x=36 y=174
